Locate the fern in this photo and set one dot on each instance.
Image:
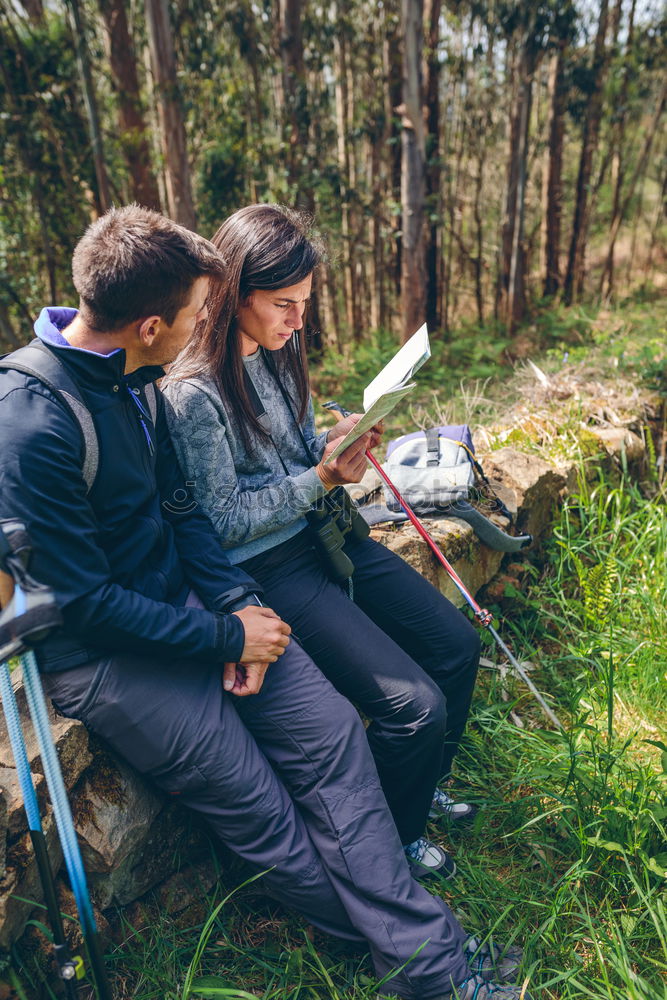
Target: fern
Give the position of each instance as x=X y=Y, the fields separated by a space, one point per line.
x=597 y=584
x=650 y=455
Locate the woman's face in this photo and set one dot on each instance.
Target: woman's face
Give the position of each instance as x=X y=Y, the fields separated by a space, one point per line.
x=268 y=318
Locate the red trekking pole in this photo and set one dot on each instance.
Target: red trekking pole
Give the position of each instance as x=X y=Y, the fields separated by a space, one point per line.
x=484 y=617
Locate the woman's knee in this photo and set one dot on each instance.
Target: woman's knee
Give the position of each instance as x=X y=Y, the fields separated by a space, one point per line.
x=462 y=656
x=473 y=648
x=427 y=710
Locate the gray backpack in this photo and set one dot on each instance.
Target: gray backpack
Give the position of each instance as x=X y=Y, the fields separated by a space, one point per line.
x=437 y=474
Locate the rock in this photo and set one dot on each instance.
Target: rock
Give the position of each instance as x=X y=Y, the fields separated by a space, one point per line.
x=472 y=561
x=619 y=440
x=187 y=887
x=16 y=821
x=21 y=882
x=528 y=486
x=70 y=738
x=113 y=809
x=129 y=834
x=536 y=485
x=3 y=831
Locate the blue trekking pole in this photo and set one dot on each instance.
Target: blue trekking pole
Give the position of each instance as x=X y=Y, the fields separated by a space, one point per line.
x=69 y=967
x=28 y=618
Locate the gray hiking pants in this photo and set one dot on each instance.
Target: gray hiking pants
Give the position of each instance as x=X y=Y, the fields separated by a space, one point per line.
x=286 y=779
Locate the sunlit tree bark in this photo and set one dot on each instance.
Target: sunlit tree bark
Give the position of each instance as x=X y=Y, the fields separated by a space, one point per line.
x=552 y=188
x=133 y=130
x=413 y=179
x=172 y=128
x=576 y=264
x=90 y=100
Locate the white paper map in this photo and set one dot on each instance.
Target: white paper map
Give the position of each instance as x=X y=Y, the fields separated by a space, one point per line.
x=389 y=387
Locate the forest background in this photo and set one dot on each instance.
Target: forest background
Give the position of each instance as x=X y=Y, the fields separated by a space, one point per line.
x=470 y=163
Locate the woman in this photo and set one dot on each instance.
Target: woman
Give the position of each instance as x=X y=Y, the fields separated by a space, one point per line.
x=242 y=420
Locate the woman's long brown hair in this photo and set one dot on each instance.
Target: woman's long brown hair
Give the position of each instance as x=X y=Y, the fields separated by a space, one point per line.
x=264 y=247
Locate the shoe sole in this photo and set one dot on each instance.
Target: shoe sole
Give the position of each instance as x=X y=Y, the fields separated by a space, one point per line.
x=421 y=873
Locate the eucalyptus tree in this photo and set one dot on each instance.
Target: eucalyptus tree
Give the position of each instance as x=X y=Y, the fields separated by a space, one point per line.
x=134 y=135
x=576 y=262
x=180 y=205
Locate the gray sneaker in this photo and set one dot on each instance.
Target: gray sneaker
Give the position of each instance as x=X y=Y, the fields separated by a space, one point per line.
x=475 y=988
x=444 y=807
x=425 y=859
x=493 y=962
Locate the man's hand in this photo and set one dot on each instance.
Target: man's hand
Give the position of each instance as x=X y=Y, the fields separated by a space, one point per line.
x=266 y=635
x=349 y=467
x=243 y=679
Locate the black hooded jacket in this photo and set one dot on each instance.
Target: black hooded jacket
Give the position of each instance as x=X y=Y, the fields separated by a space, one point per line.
x=122 y=558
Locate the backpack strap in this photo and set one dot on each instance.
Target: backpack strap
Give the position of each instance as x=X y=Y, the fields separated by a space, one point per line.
x=432 y=446
x=43 y=364
x=151 y=400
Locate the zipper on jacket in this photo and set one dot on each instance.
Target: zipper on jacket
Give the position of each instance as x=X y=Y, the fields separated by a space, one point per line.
x=143 y=417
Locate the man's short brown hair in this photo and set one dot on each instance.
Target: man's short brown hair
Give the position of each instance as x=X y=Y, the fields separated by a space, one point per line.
x=133 y=263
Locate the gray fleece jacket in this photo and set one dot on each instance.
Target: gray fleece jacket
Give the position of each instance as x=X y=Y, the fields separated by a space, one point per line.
x=252 y=503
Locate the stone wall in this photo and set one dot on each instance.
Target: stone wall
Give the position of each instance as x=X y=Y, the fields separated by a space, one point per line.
x=130 y=835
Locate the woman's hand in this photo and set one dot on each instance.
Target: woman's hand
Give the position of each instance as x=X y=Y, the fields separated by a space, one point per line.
x=345 y=425
x=349 y=467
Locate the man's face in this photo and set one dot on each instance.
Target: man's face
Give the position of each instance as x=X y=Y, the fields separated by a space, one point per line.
x=172 y=339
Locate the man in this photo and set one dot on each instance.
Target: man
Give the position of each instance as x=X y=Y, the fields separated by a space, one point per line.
x=155 y=619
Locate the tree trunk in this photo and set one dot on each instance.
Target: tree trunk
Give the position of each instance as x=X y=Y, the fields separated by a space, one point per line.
x=8 y=337
x=433 y=169
x=413 y=179
x=513 y=260
x=86 y=73
x=172 y=128
x=618 y=142
x=34 y=9
x=393 y=70
x=576 y=263
x=552 y=187
x=637 y=173
x=297 y=123
x=343 y=155
x=660 y=213
x=134 y=133
x=478 y=262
